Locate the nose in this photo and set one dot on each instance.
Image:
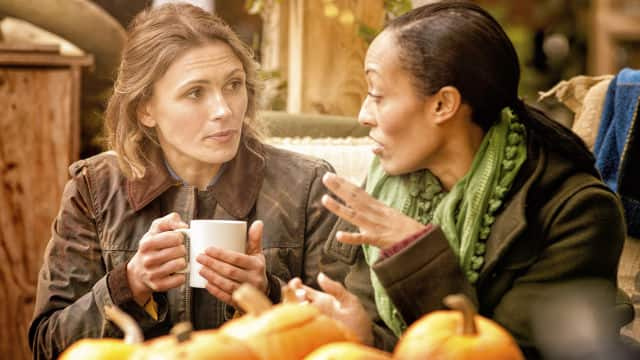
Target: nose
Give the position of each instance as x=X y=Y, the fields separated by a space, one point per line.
x=366 y=116
x=219 y=107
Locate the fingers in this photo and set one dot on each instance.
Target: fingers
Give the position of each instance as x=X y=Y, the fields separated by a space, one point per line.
x=218 y=285
x=168 y=268
x=243 y=261
x=227 y=270
x=227 y=275
x=166 y=223
x=334 y=288
x=357 y=238
x=295 y=283
x=362 y=217
x=254 y=243
x=343 y=189
x=165 y=283
x=219 y=293
x=159 y=257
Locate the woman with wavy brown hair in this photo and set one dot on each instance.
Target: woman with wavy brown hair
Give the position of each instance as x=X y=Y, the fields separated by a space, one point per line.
x=181 y=124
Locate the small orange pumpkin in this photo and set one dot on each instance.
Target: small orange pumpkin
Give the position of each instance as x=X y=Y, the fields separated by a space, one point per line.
x=457 y=334
x=108 y=349
x=289 y=330
x=347 y=351
x=183 y=343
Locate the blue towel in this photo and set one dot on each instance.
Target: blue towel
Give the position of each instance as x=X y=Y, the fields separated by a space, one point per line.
x=616 y=132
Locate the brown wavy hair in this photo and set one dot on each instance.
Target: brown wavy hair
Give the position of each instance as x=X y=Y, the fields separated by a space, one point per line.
x=155 y=39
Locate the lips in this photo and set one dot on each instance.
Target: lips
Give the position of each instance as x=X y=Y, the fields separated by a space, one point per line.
x=221 y=136
x=377 y=147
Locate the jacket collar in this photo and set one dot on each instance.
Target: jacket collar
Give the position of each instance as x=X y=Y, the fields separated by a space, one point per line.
x=236 y=190
x=506 y=229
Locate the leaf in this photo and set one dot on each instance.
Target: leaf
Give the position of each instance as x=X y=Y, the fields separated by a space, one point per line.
x=367 y=33
x=254 y=6
x=397 y=7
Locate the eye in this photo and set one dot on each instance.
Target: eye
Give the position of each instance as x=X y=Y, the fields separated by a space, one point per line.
x=235 y=85
x=375 y=97
x=194 y=93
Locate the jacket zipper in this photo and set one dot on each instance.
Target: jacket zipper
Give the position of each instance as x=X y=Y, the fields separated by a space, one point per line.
x=187 y=287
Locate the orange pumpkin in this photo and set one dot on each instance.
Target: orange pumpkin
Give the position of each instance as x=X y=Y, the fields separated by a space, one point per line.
x=182 y=343
x=108 y=349
x=289 y=330
x=347 y=351
x=457 y=334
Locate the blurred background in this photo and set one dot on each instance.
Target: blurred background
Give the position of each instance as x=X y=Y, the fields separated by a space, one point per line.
x=63 y=55
x=311 y=51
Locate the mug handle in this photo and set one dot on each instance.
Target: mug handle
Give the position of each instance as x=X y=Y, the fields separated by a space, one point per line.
x=188 y=233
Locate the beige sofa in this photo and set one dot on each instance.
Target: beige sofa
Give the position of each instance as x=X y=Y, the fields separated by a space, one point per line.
x=340 y=140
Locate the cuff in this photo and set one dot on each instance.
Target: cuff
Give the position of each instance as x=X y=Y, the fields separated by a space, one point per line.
x=274 y=292
x=119 y=285
x=397 y=247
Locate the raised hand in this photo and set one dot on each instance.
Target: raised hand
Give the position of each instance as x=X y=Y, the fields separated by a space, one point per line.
x=379 y=224
x=161 y=254
x=226 y=270
x=337 y=303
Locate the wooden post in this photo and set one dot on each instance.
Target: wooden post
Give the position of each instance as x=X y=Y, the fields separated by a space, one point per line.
x=609 y=27
x=39 y=138
x=325 y=56
x=296 y=56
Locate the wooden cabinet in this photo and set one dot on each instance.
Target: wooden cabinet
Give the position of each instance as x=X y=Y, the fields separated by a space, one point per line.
x=39 y=138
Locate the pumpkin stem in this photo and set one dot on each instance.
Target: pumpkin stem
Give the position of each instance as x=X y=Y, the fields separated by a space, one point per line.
x=132 y=333
x=462 y=303
x=251 y=300
x=182 y=331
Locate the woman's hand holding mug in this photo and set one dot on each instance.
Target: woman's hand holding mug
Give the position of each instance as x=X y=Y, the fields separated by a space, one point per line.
x=160 y=258
x=225 y=270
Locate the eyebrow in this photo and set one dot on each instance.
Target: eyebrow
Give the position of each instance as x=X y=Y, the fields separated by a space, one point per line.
x=206 y=81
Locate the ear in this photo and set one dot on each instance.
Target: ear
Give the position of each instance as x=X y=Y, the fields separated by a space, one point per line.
x=144 y=113
x=445 y=104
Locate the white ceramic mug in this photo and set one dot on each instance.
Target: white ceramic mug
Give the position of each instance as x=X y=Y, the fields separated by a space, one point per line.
x=224 y=234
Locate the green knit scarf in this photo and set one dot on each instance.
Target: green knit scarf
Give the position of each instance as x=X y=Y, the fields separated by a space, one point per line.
x=465 y=214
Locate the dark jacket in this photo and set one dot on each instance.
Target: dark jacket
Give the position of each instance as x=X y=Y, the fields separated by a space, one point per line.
x=103 y=216
x=558 y=224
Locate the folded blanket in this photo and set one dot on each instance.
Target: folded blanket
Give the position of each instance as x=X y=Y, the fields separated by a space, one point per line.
x=616 y=146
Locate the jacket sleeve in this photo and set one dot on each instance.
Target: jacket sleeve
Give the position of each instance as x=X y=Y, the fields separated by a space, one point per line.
x=73 y=285
x=419 y=276
x=580 y=244
x=318 y=225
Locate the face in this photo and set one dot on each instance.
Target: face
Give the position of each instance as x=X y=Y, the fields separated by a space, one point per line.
x=405 y=135
x=198 y=106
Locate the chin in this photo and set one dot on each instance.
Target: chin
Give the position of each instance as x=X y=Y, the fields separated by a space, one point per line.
x=224 y=155
x=394 y=168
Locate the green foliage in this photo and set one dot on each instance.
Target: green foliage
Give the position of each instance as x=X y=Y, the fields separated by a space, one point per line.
x=366 y=32
x=397 y=7
x=254 y=7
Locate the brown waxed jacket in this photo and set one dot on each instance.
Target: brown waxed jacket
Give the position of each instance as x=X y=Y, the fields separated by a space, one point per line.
x=559 y=228
x=103 y=216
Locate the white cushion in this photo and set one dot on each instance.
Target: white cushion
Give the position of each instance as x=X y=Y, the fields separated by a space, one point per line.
x=349 y=156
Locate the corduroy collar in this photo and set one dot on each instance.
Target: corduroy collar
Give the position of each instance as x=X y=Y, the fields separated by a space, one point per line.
x=236 y=190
